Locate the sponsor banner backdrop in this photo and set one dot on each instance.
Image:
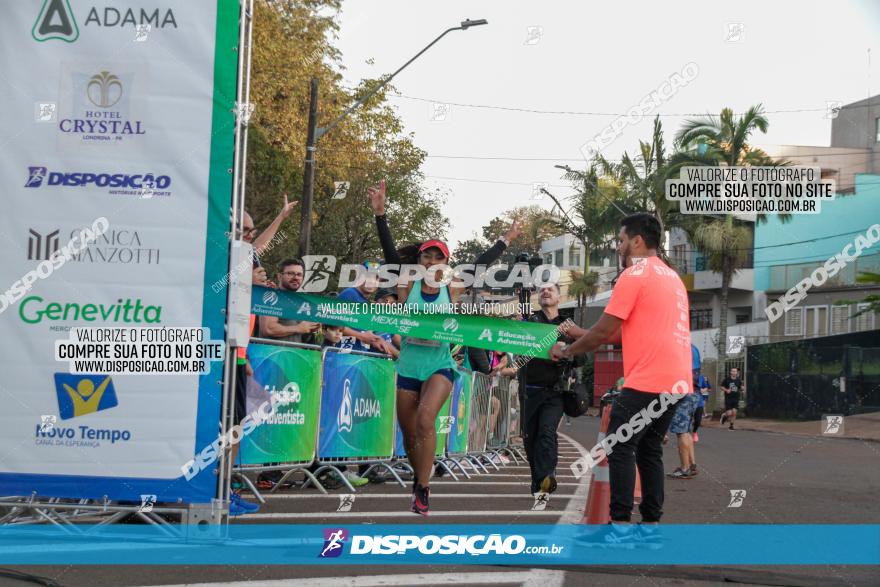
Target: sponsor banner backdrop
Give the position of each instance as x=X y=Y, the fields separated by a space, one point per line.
x=513 y=336
x=123 y=111
x=357 y=407
x=290 y=435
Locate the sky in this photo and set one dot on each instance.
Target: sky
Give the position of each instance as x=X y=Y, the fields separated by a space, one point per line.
x=594 y=61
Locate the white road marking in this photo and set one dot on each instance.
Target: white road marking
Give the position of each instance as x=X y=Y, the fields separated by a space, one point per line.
x=403 y=493
x=574 y=511
x=536 y=578
x=397 y=514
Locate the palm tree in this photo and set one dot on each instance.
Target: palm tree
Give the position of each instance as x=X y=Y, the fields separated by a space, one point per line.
x=727 y=245
x=723 y=141
x=592 y=220
x=582 y=287
x=644 y=178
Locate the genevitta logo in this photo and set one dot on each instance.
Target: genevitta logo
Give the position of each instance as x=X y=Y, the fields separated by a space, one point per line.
x=57 y=21
x=137 y=184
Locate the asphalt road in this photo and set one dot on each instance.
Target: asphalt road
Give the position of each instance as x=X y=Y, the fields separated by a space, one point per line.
x=788 y=480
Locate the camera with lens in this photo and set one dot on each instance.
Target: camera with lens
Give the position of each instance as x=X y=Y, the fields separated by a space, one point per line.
x=566 y=373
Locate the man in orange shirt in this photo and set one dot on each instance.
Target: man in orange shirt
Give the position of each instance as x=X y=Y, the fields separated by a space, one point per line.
x=648 y=312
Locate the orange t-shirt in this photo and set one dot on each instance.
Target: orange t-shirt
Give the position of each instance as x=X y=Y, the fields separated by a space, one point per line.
x=652 y=302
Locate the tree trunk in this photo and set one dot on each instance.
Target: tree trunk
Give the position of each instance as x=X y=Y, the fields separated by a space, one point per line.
x=726 y=277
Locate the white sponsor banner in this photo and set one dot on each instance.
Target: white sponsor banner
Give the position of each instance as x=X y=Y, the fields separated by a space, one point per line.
x=107 y=114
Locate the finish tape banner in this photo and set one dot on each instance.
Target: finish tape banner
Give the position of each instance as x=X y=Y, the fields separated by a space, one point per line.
x=118 y=117
x=357 y=407
x=513 y=336
x=291 y=433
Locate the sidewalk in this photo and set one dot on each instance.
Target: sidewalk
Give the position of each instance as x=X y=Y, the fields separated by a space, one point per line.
x=860 y=427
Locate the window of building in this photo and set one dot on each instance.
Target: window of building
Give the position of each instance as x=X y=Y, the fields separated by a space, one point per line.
x=794 y=322
x=741 y=318
x=701 y=318
x=840 y=319
x=865 y=321
x=816 y=321
x=548 y=258
x=558 y=254
x=574 y=256
x=679 y=257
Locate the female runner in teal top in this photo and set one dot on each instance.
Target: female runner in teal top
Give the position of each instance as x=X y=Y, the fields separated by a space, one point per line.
x=425 y=368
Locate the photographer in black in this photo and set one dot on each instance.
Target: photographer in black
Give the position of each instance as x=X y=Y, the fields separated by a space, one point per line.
x=542 y=381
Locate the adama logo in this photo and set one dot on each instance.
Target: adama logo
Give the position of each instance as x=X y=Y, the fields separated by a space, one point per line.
x=57 y=21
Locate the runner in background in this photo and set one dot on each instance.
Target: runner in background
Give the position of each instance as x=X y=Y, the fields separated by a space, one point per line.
x=731 y=386
x=425 y=368
x=702 y=384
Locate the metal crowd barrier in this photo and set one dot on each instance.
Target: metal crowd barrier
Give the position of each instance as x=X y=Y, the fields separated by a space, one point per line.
x=383 y=461
x=514 y=435
x=498 y=424
x=452 y=453
x=489 y=405
x=288 y=467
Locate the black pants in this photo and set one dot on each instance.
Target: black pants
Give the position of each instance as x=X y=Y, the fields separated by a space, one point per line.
x=698 y=418
x=645 y=450
x=542 y=410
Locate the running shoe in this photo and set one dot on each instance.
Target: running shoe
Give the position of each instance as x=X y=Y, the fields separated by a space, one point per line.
x=731 y=426
x=649 y=536
x=420 y=500
x=723 y=418
x=692 y=471
x=264 y=484
x=678 y=473
x=548 y=485
x=247 y=506
x=354 y=479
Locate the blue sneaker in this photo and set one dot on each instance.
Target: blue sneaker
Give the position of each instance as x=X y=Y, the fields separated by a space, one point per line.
x=247 y=506
x=235 y=509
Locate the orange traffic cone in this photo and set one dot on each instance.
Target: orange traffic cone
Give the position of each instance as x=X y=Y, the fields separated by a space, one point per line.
x=599 y=497
x=637 y=492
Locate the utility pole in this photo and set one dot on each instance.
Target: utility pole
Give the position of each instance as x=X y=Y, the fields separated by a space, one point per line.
x=305 y=225
x=315 y=134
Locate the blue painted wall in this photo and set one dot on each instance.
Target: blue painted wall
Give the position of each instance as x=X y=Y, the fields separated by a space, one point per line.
x=845 y=216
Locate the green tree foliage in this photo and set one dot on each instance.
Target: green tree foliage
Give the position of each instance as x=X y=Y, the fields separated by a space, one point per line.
x=293 y=42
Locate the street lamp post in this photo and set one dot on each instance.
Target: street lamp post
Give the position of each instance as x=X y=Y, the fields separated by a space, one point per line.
x=315 y=133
